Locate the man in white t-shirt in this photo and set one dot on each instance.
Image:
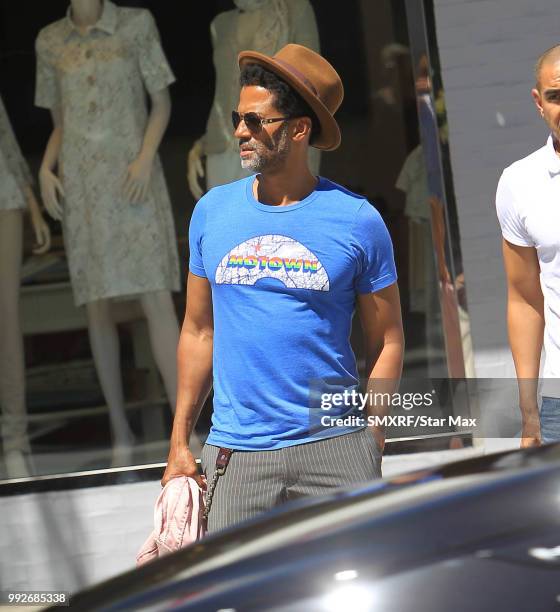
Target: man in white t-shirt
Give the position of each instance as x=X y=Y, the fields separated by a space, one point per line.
x=528 y=206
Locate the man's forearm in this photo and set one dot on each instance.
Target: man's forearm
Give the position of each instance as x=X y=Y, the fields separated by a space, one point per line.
x=194 y=363
x=525 y=330
x=384 y=375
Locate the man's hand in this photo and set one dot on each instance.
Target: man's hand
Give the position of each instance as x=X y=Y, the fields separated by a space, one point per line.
x=528 y=440
x=182 y=463
x=531 y=429
x=379 y=434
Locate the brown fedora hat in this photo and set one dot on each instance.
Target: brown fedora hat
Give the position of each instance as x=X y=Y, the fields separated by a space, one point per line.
x=315 y=80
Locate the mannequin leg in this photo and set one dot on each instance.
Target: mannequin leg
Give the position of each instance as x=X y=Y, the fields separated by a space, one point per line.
x=12 y=365
x=164 y=338
x=105 y=348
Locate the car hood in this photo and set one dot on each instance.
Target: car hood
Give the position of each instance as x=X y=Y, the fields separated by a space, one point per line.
x=389 y=526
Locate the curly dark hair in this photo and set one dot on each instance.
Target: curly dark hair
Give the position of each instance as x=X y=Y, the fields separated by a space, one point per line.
x=286 y=99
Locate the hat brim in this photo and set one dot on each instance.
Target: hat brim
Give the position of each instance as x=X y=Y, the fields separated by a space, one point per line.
x=329 y=137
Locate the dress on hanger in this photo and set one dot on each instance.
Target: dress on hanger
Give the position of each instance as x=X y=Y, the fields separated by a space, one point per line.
x=99 y=82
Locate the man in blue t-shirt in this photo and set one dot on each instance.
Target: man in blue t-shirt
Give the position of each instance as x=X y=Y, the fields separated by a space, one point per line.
x=278 y=263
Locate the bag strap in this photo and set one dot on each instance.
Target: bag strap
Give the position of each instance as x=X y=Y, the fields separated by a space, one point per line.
x=222 y=461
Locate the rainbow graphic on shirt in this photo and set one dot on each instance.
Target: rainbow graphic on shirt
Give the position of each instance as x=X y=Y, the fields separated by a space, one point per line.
x=272 y=256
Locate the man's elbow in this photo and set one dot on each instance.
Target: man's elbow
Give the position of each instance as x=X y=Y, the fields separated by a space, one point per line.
x=197 y=330
x=200 y=334
x=395 y=336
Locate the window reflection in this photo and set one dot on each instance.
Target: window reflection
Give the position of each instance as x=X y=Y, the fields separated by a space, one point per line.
x=393 y=129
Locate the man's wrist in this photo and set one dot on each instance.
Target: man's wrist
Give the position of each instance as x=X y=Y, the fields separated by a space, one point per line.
x=180 y=438
x=529 y=408
x=180 y=442
x=530 y=418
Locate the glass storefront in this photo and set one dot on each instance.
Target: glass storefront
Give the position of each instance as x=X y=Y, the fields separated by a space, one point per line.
x=393 y=152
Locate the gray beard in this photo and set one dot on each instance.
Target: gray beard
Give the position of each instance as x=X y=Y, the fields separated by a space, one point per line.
x=258 y=162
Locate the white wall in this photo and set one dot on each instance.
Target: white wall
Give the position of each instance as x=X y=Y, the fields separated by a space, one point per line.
x=66 y=540
x=487 y=50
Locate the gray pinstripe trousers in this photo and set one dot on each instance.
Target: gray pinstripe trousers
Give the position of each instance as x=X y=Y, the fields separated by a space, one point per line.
x=256 y=481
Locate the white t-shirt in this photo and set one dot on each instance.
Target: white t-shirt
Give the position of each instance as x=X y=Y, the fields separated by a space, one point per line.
x=528 y=206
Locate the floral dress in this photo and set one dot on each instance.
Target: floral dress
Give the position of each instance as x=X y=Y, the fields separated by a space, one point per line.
x=98 y=81
x=14 y=172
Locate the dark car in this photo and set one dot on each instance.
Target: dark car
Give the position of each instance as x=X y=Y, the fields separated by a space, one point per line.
x=481 y=534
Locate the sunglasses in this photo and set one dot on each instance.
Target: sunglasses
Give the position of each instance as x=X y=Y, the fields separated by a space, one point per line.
x=253 y=121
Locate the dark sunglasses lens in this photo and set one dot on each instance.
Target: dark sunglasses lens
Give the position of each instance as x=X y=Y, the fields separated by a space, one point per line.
x=252 y=121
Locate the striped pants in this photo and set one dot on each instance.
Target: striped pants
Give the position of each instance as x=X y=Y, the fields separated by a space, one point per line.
x=256 y=481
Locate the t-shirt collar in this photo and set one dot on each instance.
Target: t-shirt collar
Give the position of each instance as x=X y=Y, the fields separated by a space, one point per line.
x=552 y=159
x=106 y=23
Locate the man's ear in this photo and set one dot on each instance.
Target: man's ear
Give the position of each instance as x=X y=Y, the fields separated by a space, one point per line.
x=537 y=98
x=302 y=129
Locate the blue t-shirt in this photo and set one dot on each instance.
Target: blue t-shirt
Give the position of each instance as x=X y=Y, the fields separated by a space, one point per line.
x=284 y=281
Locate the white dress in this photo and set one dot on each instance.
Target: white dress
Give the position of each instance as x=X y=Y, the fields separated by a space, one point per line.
x=267 y=28
x=99 y=82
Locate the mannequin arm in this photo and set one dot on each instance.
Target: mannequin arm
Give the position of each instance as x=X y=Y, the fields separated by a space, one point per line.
x=40 y=227
x=195 y=169
x=139 y=171
x=50 y=185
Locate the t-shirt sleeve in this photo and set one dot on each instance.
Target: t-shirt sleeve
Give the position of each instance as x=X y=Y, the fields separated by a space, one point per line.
x=374 y=250
x=513 y=229
x=196 y=235
x=155 y=69
x=46 y=87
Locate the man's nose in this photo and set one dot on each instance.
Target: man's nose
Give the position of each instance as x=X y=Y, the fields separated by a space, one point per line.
x=242 y=131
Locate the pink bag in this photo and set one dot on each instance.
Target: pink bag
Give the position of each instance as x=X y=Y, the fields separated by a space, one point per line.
x=177 y=519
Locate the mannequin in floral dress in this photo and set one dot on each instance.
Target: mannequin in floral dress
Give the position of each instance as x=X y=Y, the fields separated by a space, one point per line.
x=102 y=178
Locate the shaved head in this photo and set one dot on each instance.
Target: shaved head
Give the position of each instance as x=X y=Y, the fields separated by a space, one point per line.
x=546 y=93
x=550 y=56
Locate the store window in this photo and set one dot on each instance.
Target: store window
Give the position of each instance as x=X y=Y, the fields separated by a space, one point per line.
x=70 y=408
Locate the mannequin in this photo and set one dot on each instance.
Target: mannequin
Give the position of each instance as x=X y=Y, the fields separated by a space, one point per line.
x=16 y=194
x=108 y=190
x=261 y=25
